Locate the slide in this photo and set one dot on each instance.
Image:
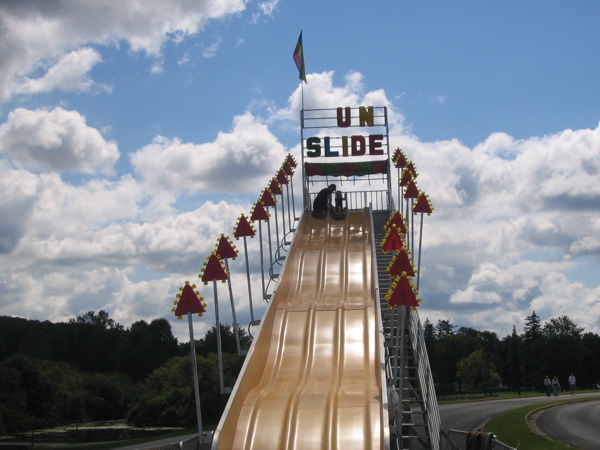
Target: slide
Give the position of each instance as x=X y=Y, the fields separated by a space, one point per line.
x=313 y=377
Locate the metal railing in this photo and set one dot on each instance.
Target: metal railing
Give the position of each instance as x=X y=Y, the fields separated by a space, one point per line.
x=462 y=440
x=379 y=200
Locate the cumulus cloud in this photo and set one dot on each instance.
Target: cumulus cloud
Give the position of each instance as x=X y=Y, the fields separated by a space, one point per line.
x=33 y=33
x=249 y=151
x=57 y=140
x=500 y=209
x=70 y=73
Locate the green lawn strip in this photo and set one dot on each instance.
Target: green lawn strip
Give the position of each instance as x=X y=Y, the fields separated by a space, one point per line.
x=511 y=428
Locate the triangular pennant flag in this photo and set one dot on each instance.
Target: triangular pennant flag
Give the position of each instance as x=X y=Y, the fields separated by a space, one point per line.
x=282 y=177
x=400 y=160
x=406 y=177
x=422 y=205
x=189 y=302
x=267 y=198
x=225 y=248
x=289 y=158
x=243 y=228
x=213 y=270
x=397 y=221
x=401 y=264
x=287 y=168
x=402 y=293
x=275 y=187
x=411 y=190
x=392 y=240
x=259 y=213
x=413 y=170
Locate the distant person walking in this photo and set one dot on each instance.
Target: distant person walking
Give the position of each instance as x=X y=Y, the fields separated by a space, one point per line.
x=548 y=385
x=572 y=384
x=555 y=386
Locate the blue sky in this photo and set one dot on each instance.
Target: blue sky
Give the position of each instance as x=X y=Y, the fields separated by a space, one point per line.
x=133 y=133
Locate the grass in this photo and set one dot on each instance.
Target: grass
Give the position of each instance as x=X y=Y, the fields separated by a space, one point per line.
x=123 y=443
x=511 y=428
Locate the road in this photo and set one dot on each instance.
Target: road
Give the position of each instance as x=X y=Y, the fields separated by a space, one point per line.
x=470 y=416
x=577 y=424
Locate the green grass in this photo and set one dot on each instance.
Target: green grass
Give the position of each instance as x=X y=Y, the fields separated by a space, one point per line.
x=124 y=443
x=511 y=428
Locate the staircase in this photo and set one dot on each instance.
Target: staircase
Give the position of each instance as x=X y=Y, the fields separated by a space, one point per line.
x=413 y=411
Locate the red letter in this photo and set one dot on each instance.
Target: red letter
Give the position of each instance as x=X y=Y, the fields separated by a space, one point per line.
x=341 y=121
x=358 y=145
x=375 y=144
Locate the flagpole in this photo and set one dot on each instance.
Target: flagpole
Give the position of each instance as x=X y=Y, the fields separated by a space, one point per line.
x=302 y=84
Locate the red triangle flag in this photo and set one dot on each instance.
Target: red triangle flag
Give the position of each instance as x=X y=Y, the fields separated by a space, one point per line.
x=411 y=191
x=422 y=205
x=225 y=249
x=259 y=213
x=403 y=294
x=189 y=302
x=214 y=270
x=401 y=264
x=289 y=158
x=282 y=177
x=275 y=187
x=267 y=198
x=243 y=228
x=391 y=241
x=398 y=221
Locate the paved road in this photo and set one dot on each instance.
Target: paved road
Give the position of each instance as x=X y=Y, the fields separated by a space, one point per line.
x=577 y=424
x=470 y=416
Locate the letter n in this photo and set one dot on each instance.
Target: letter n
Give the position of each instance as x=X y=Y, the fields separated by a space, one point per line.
x=366 y=116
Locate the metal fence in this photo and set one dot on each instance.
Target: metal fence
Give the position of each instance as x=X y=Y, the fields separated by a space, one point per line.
x=462 y=440
x=355 y=200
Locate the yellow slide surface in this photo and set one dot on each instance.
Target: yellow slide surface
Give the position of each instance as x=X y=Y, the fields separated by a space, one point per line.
x=312 y=379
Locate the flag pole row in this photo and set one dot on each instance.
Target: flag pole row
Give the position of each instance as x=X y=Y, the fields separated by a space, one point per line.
x=216 y=266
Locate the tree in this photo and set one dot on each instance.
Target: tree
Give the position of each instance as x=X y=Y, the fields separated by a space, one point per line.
x=533 y=347
x=563 y=337
x=168 y=393
x=478 y=371
x=100 y=320
x=515 y=366
x=208 y=344
x=449 y=351
x=146 y=347
x=444 y=328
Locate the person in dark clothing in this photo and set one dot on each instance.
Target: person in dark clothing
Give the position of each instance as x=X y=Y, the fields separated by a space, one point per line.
x=339 y=211
x=322 y=202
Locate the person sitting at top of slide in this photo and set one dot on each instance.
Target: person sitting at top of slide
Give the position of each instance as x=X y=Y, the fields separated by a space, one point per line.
x=339 y=211
x=322 y=202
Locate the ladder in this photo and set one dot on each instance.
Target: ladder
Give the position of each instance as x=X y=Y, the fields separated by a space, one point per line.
x=413 y=409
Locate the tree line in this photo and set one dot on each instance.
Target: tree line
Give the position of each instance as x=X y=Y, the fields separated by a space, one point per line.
x=463 y=357
x=91 y=368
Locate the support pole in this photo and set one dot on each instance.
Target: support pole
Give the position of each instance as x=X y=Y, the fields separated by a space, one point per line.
x=218 y=331
x=195 y=373
x=235 y=324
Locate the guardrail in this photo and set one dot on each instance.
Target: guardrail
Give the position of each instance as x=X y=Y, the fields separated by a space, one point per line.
x=378 y=200
x=462 y=440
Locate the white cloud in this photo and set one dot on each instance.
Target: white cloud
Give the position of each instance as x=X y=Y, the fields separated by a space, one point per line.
x=56 y=140
x=32 y=35
x=249 y=151
x=212 y=49
x=70 y=73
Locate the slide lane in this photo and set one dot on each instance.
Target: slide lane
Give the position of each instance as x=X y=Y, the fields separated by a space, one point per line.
x=312 y=378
